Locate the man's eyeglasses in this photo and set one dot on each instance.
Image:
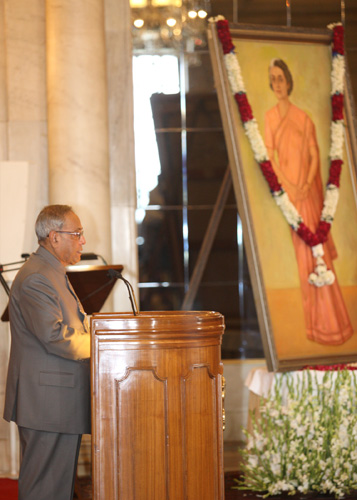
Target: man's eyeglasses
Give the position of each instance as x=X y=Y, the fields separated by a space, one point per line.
x=77 y=234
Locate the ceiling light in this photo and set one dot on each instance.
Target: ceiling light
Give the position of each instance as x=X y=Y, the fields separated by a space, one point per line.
x=192 y=14
x=168 y=23
x=138 y=23
x=171 y=22
x=166 y=3
x=138 y=4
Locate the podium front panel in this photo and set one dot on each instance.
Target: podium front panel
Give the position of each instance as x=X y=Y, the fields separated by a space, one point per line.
x=157 y=406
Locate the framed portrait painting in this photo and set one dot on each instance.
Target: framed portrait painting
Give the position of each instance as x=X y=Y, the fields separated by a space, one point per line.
x=286 y=73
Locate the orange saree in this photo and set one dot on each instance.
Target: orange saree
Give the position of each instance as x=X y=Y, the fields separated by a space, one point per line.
x=291 y=138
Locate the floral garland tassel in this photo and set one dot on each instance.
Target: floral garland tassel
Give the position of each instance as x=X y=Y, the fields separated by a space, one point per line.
x=321 y=275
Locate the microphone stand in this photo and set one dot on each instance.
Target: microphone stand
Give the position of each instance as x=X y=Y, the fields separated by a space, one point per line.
x=2 y=270
x=3 y=282
x=116 y=274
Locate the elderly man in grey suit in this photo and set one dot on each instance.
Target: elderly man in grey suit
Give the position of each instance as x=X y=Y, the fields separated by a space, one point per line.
x=48 y=383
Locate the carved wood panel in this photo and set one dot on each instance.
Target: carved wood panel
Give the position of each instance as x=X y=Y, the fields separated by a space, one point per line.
x=141 y=435
x=157 y=410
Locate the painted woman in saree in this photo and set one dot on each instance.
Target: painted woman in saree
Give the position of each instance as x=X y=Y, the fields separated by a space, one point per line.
x=293 y=150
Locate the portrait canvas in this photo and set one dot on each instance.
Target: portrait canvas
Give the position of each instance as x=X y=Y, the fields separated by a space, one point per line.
x=300 y=326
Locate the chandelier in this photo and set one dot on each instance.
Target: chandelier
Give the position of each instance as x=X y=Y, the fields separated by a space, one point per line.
x=169 y=23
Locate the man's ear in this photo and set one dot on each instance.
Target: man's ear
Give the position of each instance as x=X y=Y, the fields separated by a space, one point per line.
x=53 y=238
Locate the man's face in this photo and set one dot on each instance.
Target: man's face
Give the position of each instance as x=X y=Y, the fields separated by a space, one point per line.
x=69 y=246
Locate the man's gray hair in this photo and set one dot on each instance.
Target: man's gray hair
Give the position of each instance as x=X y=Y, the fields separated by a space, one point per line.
x=51 y=218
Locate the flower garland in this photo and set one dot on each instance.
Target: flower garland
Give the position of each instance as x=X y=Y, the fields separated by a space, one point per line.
x=321 y=275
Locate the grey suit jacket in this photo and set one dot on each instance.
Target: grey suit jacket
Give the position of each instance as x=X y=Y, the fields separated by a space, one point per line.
x=48 y=383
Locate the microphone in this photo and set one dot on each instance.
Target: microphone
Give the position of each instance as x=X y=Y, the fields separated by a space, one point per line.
x=112 y=273
x=89 y=256
x=93 y=256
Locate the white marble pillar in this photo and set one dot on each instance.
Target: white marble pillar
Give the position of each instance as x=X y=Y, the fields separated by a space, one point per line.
x=121 y=140
x=3 y=92
x=23 y=160
x=25 y=124
x=78 y=115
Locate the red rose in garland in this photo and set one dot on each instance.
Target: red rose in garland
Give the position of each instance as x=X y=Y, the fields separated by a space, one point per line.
x=338 y=40
x=335 y=172
x=270 y=176
x=224 y=36
x=323 y=230
x=245 y=110
x=337 y=107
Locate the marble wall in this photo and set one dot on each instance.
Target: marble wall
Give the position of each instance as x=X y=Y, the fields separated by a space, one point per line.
x=23 y=160
x=23 y=125
x=66 y=134
x=121 y=145
x=77 y=111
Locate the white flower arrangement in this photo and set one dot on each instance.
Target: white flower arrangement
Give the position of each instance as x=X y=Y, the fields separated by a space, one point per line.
x=337 y=140
x=305 y=439
x=337 y=74
x=318 y=250
x=330 y=203
x=291 y=215
x=256 y=140
x=234 y=73
x=321 y=275
x=222 y=18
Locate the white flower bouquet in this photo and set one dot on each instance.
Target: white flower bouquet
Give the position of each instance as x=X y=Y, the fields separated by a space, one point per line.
x=304 y=438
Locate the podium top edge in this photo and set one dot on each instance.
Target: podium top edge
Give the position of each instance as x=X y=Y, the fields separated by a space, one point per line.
x=87 y=267
x=154 y=323
x=158 y=315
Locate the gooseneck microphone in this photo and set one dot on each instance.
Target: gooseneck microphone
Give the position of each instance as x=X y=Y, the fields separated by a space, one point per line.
x=89 y=256
x=118 y=275
x=93 y=256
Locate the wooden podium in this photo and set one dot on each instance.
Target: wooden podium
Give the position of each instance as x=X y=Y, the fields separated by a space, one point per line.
x=157 y=406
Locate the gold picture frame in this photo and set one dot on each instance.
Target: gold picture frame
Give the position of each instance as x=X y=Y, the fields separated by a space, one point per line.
x=281 y=303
